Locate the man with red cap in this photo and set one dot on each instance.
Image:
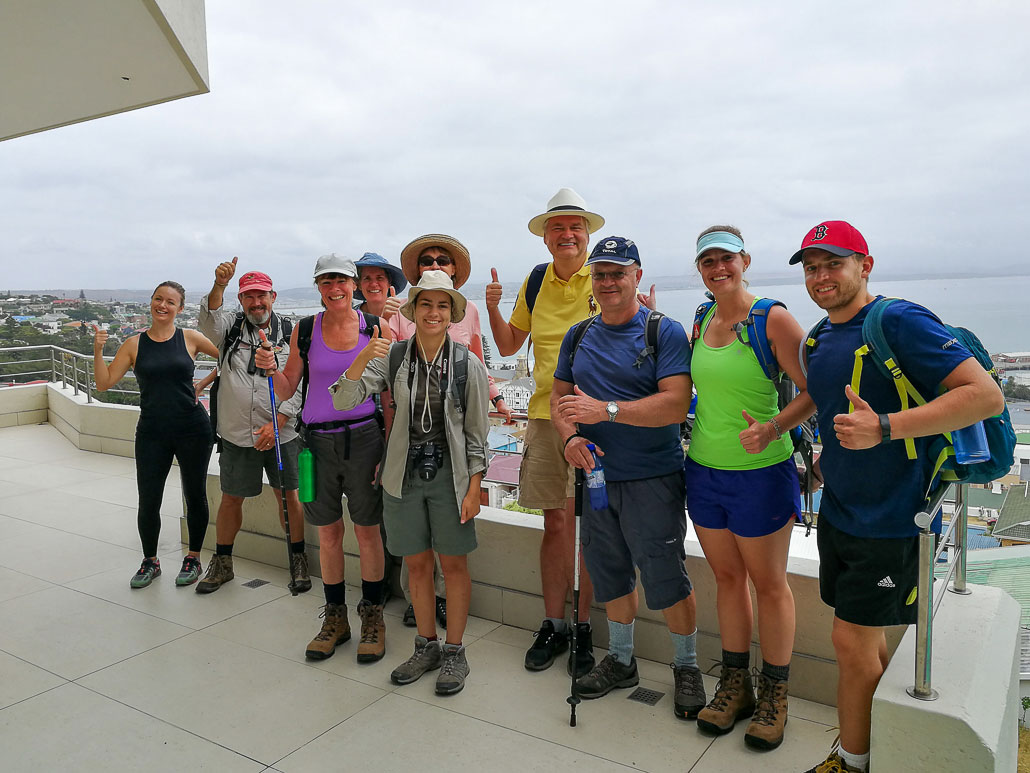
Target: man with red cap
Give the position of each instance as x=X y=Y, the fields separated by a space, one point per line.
x=243 y=417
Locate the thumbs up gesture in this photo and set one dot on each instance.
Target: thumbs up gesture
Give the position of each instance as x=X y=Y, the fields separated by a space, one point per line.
x=493 y=291
x=224 y=272
x=99 y=339
x=264 y=357
x=378 y=345
x=757 y=436
x=859 y=428
x=393 y=304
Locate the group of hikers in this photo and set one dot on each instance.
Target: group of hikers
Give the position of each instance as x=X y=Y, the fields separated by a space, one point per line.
x=391 y=396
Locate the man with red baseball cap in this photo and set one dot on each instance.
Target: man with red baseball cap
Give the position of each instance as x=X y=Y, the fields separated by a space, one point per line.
x=868 y=541
x=242 y=415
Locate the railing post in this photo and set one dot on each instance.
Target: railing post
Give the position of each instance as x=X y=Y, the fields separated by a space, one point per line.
x=89 y=382
x=53 y=365
x=75 y=375
x=64 y=370
x=962 y=513
x=924 y=620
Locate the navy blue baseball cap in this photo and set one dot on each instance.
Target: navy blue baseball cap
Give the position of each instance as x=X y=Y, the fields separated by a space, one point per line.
x=615 y=249
x=375 y=260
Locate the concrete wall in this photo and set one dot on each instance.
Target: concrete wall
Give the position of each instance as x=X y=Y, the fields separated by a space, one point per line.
x=23 y=405
x=107 y=429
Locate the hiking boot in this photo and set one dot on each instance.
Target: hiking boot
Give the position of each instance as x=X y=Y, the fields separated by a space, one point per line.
x=373 y=632
x=453 y=672
x=427 y=656
x=219 y=571
x=409 y=616
x=549 y=644
x=689 y=697
x=734 y=699
x=298 y=572
x=833 y=764
x=606 y=676
x=584 y=654
x=765 y=731
x=335 y=630
x=148 y=570
x=190 y=572
x=441 y=611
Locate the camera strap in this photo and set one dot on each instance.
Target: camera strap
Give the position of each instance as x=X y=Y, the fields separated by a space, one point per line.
x=443 y=357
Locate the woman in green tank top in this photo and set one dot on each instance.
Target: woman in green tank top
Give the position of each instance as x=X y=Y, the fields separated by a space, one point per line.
x=742 y=489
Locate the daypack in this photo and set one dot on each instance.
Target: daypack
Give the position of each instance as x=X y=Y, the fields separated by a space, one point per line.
x=1001 y=438
x=458 y=385
x=305 y=329
x=651 y=324
x=533 y=284
x=752 y=333
x=280 y=329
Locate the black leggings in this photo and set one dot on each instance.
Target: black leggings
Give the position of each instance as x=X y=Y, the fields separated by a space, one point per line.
x=154 y=452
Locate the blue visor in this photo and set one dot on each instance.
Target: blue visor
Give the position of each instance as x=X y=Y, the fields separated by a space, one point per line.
x=719 y=240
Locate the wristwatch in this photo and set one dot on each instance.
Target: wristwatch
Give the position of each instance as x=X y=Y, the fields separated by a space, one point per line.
x=613 y=410
x=885 y=428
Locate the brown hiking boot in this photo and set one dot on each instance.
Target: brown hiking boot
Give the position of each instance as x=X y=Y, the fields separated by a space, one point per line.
x=219 y=572
x=734 y=699
x=373 y=632
x=765 y=732
x=299 y=572
x=335 y=630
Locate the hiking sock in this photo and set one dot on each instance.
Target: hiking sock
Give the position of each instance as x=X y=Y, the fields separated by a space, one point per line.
x=620 y=641
x=372 y=591
x=856 y=761
x=776 y=673
x=560 y=626
x=334 y=593
x=295 y=547
x=684 y=649
x=736 y=659
x=432 y=638
x=223 y=550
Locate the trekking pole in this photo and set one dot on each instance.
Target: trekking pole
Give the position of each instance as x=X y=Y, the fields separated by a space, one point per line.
x=282 y=478
x=573 y=699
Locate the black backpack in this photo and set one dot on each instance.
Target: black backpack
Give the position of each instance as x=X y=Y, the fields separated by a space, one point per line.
x=651 y=324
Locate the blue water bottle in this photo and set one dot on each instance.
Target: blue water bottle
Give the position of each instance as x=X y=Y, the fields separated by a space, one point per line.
x=595 y=482
x=971 y=444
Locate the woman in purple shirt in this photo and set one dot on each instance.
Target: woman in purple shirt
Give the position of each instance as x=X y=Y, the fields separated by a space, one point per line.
x=347 y=446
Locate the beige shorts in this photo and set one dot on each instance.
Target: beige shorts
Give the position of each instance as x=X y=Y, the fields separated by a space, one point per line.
x=546 y=480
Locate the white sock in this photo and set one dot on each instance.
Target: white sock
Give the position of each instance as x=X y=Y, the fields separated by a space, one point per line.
x=856 y=761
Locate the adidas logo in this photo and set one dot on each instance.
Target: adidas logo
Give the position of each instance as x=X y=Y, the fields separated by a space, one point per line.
x=886 y=582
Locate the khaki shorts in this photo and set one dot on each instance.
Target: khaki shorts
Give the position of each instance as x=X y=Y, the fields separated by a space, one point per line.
x=546 y=480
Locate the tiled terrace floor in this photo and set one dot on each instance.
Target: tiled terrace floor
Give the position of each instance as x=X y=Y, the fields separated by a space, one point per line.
x=96 y=676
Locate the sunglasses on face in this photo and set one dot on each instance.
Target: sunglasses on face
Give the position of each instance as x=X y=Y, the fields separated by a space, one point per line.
x=441 y=260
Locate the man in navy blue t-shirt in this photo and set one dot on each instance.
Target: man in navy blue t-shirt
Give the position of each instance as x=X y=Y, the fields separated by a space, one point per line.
x=868 y=549
x=629 y=402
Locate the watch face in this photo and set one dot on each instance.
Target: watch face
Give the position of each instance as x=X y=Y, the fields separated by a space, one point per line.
x=612 y=409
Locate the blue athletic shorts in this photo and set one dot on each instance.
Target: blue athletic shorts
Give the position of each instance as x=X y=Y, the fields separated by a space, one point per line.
x=750 y=503
x=644 y=526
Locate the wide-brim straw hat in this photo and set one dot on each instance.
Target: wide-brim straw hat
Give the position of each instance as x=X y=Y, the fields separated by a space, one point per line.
x=566 y=202
x=435 y=279
x=459 y=254
x=375 y=260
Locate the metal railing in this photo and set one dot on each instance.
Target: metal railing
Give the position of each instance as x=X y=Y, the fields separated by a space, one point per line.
x=929 y=600
x=62 y=365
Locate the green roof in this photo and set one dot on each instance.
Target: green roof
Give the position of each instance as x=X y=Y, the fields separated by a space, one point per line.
x=1014 y=518
x=1011 y=575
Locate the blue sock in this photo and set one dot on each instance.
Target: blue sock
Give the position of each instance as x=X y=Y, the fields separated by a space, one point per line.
x=685 y=647
x=620 y=641
x=558 y=623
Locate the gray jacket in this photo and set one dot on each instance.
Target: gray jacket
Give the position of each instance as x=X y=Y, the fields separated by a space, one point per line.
x=466 y=434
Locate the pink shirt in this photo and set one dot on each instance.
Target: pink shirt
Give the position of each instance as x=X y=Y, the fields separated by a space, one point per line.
x=463 y=332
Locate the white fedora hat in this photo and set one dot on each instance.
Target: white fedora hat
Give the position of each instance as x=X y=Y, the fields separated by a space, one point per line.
x=566 y=202
x=435 y=280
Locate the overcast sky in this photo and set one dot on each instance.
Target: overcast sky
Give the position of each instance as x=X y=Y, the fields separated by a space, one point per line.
x=346 y=127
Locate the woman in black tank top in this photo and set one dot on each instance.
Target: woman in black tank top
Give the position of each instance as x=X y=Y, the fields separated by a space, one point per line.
x=172 y=423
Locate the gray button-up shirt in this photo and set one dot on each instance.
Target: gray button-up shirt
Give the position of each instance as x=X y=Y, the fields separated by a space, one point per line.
x=243 y=399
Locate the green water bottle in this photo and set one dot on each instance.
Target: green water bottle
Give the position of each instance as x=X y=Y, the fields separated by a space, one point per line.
x=306 y=475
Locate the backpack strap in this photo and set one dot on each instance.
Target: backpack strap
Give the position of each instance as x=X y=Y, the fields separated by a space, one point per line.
x=699 y=317
x=651 y=324
x=578 y=331
x=756 y=326
x=305 y=329
x=533 y=284
x=459 y=385
x=808 y=344
x=231 y=341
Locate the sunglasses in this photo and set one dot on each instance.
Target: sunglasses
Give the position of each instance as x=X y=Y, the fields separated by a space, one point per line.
x=603 y=276
x=441 y=260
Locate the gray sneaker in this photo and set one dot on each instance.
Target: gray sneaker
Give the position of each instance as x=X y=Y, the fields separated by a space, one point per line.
x=689 y=697
x=606 y=676
x=219 y=572
x=455 y=668
x=427 y=657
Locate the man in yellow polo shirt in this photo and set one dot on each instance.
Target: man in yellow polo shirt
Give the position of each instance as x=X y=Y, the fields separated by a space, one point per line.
x=553 y=298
